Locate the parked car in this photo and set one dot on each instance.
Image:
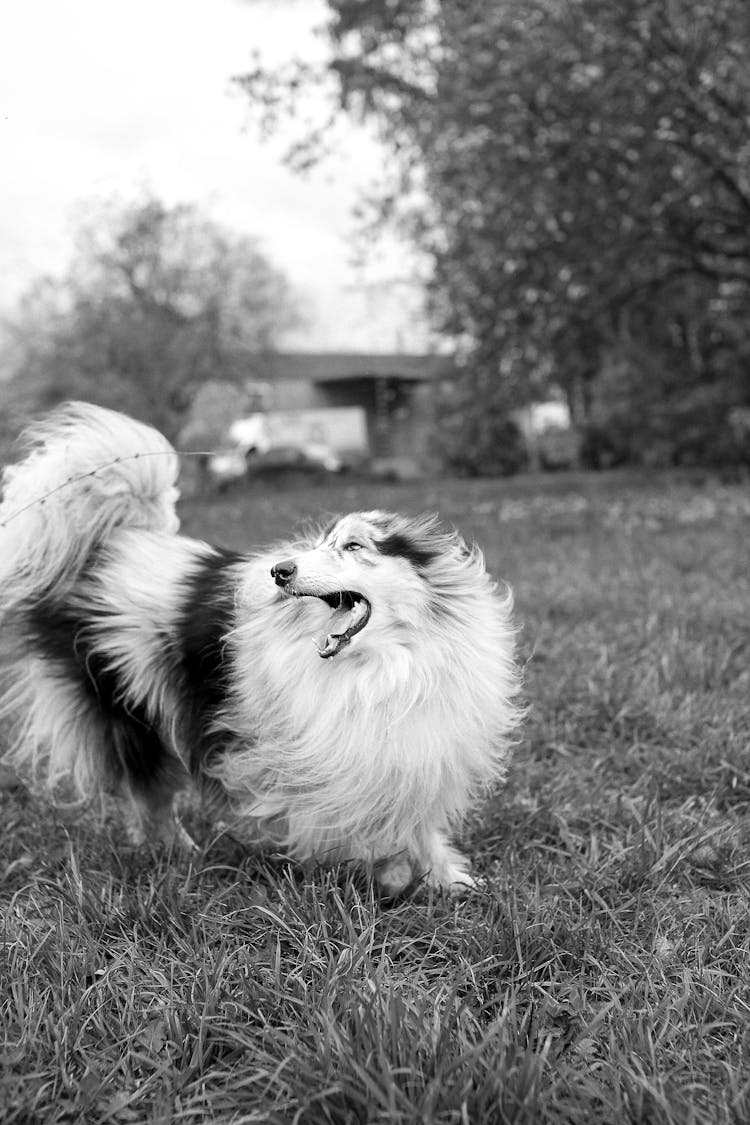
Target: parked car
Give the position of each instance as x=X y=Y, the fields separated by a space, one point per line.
x=230 y=465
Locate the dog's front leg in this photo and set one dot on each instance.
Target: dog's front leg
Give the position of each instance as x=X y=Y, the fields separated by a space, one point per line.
x=442 y=865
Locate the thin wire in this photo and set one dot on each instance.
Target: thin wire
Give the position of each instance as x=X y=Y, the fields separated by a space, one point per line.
x=100 y=468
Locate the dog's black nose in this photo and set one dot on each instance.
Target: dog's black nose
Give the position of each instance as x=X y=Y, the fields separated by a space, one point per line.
x=284 y=572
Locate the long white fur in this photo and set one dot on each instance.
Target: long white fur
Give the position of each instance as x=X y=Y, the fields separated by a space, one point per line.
x=374 y=755
x=88 y=471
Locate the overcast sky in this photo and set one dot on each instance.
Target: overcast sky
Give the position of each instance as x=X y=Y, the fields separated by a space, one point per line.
x=98 y=99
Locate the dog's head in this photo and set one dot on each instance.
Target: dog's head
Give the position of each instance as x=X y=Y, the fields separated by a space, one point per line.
x=375 y=570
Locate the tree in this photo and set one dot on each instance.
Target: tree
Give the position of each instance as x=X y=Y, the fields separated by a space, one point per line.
x=578 y=172
x=157 y=301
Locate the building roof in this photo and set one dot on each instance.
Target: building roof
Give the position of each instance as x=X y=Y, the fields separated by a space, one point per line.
x=335 y=367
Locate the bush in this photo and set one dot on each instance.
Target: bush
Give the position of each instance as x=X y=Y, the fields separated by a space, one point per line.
x=483 y=447
x=685 y=433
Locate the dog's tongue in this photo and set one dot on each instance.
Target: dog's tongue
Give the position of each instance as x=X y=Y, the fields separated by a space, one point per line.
x=342 y=624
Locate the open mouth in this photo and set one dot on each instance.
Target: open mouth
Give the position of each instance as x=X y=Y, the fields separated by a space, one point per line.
x=351 y=612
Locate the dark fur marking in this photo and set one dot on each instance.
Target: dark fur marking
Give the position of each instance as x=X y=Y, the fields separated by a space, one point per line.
x=132 y=746
x=207 y=615
x=403 y=547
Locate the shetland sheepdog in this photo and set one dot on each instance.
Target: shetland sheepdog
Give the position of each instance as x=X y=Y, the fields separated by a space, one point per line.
x=343 y=697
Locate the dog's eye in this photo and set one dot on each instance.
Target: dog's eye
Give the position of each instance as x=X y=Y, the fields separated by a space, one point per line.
x=352 y=545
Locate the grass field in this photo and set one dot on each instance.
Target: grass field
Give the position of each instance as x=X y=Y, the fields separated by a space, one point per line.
x=601 y=976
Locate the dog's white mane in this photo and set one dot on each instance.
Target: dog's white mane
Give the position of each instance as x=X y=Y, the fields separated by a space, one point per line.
x=421 y=709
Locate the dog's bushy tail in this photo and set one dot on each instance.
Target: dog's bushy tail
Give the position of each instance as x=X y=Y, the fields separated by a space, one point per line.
x=88 y=471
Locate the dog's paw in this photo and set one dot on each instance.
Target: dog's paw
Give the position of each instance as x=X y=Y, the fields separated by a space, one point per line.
x=394 y=876
x=452 y=880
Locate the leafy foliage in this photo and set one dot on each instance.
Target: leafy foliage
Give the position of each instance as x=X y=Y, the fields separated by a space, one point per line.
x=157 y=300
x=578 y=173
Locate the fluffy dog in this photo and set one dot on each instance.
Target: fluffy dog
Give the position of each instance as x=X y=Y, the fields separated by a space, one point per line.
x=345 y=697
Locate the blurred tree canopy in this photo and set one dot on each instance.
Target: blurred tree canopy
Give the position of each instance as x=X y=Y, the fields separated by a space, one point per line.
x=578 y=173
x=157 y=301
